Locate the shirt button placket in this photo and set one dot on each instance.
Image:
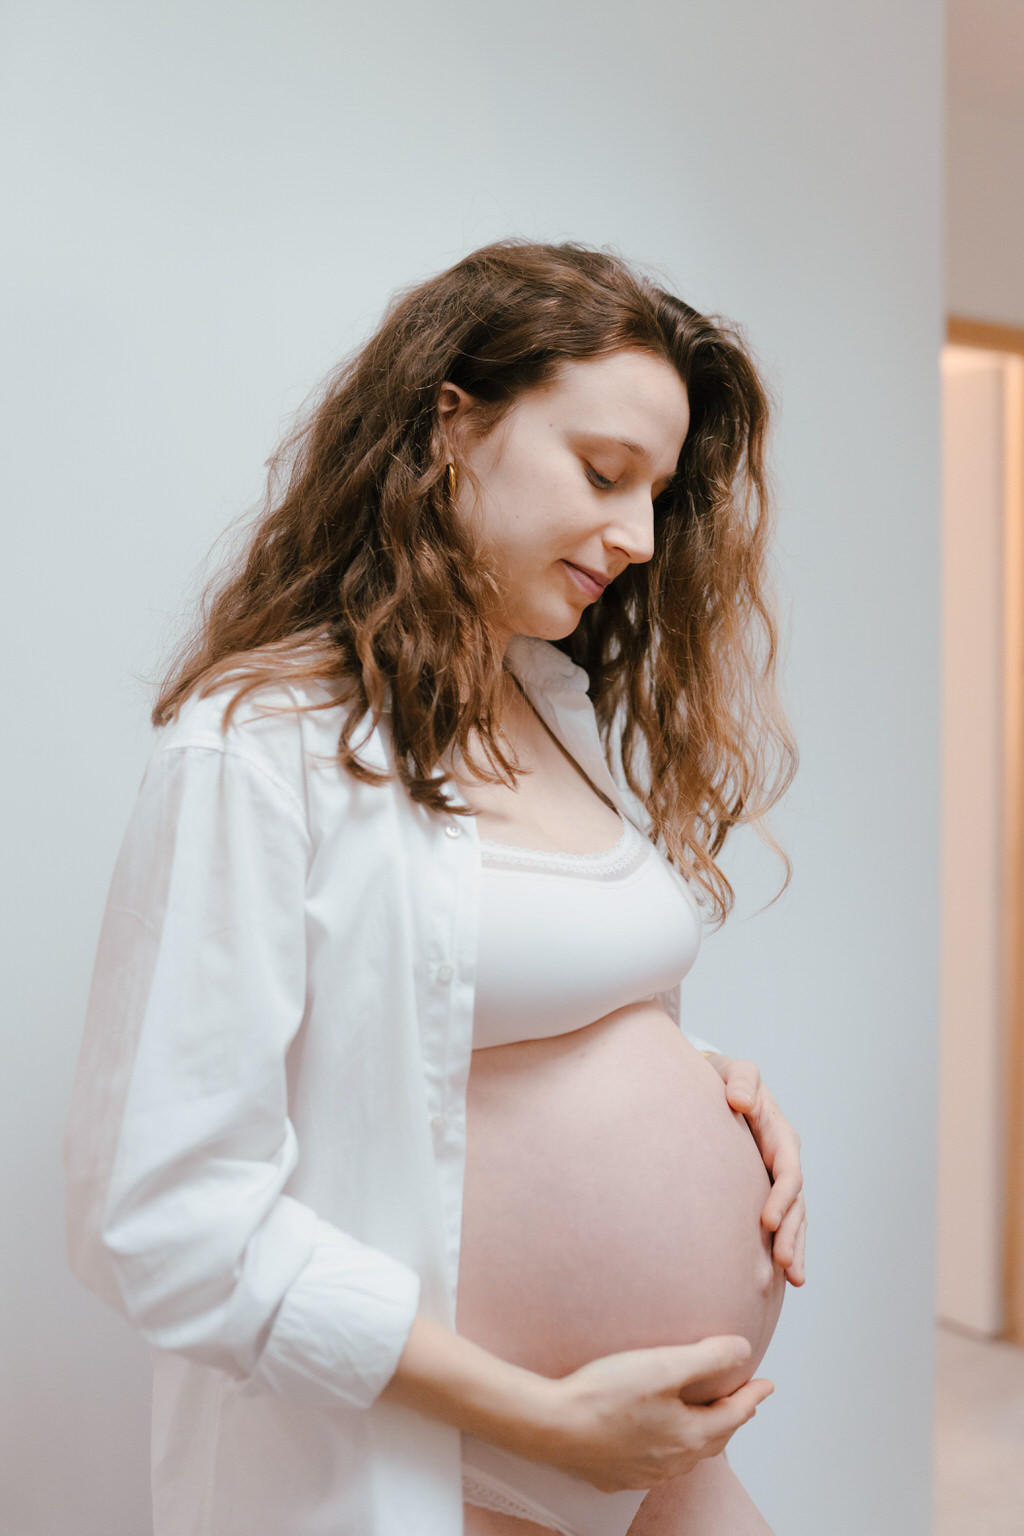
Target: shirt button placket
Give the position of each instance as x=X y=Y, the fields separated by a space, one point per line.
x=444 y=975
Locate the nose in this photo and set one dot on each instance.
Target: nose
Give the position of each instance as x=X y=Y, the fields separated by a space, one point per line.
x=632 y=527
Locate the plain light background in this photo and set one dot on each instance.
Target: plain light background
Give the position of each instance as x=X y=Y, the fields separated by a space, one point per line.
x=212 y=203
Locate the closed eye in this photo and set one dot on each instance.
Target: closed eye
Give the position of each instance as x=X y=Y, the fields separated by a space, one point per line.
x=600 y=481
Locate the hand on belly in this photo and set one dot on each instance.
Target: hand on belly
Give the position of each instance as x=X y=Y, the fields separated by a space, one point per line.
x=612 y=1201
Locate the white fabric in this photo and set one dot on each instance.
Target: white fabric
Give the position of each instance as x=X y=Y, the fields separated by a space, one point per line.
x=532 y=1490
x=265 y=1149
x=566 y=938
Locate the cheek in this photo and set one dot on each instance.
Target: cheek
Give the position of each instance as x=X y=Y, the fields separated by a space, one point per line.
x=528 y=556
x=528 y=529
x=536 y=515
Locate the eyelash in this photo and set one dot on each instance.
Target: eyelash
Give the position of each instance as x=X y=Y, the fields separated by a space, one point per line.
x=601 y=482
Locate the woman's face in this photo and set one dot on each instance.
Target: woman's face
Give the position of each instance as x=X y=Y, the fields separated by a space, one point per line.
x=568 y=478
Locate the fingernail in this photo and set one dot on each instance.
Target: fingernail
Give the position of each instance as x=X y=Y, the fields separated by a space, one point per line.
x=742 y=1349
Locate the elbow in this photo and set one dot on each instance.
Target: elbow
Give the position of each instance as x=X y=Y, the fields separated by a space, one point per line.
x=174 y=1297
x=208 y=1290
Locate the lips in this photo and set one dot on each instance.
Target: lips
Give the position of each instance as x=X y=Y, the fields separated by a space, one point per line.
x=592 y=581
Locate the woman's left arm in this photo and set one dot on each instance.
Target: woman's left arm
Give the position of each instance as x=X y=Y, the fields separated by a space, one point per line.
x=784 y=1213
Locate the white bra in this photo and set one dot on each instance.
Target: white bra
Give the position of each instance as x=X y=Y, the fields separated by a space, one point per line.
x=567 y=937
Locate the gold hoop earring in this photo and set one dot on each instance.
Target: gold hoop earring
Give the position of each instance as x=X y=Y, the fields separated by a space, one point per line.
x=451 y=481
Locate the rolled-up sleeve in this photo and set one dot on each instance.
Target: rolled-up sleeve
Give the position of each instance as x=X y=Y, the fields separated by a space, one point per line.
x=179 y=1142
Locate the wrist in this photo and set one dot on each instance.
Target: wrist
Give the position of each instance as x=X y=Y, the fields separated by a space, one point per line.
x=531 y=1417
x=506 y=1404
x=448 y=1377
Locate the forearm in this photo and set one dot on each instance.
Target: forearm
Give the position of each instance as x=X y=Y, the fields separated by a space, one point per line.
x=448 y=1377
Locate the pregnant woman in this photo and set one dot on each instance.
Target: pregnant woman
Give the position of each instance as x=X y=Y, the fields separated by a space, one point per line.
x=385 y=1134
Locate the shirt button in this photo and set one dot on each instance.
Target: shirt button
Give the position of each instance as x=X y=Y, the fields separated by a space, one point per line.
x=452 y=830
x=445 y=973
x=438 y=1124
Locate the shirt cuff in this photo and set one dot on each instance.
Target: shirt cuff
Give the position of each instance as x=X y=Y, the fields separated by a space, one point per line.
x=702 y=1045
x=340 y=1331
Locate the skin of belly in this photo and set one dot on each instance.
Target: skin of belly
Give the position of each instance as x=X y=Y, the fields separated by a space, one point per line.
x=612 y=1201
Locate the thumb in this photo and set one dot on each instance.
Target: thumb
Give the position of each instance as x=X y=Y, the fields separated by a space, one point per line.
x=679 y=1364
x=742 y=1081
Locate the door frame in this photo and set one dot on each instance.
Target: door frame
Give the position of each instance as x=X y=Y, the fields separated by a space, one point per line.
x=1010 y=339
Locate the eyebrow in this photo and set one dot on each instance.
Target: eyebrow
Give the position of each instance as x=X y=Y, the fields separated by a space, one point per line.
x=635 y=448
x=620 y=442
x=641 y=453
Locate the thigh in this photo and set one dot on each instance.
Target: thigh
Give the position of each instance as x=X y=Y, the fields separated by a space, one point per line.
x=489 y=1522
x=709 y=1501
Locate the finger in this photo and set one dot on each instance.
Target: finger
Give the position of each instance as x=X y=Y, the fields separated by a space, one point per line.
x=784 y=1241
x=783 y=1164
x=742 y=1082
x=794 y=1266
x=784 y=1199
x=772 y=1130
x=797 y=1273
x=676 y=1365
x=726 y=1414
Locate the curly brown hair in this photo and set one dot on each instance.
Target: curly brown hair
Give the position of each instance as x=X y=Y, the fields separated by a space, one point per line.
x=358 y=575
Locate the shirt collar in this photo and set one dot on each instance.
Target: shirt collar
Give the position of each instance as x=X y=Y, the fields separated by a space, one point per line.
x=540 y=665
x=539 y=662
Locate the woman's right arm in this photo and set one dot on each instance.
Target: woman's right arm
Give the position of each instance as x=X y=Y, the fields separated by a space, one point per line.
x=179 y=1143
x=618 y=1422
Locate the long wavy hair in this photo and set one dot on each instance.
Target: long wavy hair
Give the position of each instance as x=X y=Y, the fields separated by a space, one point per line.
x=358 y=575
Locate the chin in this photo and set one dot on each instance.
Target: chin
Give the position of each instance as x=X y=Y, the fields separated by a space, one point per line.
x=550 y=626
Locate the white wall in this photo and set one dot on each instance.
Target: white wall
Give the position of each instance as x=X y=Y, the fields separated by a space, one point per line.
x=212 y=202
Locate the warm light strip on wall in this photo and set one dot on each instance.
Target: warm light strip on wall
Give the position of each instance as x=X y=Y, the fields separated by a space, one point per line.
x=1010 y=340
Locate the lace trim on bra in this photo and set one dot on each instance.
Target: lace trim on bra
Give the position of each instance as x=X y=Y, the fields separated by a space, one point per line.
x=626 y=854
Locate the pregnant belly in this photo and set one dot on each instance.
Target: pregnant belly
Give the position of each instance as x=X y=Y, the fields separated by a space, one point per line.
x=612 y=1201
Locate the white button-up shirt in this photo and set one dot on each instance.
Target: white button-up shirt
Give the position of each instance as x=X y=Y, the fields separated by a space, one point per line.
x=265 y=1151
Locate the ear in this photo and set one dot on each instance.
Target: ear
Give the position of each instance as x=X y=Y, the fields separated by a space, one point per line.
x=452 y=401
x=453 y=406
